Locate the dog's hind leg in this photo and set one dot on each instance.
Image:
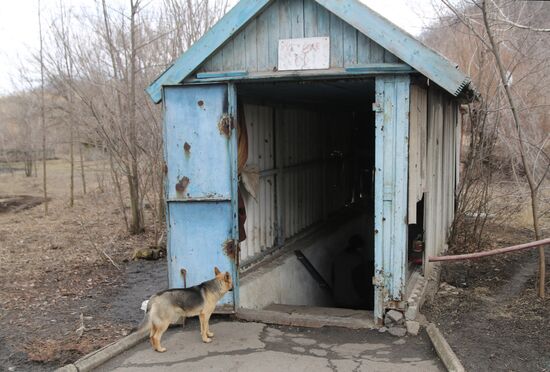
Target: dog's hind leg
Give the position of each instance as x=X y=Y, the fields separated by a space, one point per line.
x=152 y=332
x=155 y=339
x=204 y=327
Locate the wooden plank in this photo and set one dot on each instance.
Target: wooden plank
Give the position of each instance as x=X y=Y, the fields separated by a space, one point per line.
x=239 y=52
x=251 y=46
x=297 y=17
x=272 y=14
x=417 y=126
x=336 y=41
x=391 y=162
x=285 y=19
x=191 y=116
x=380 y=67
x=216 y=61
x=310 y=18
x=323 y=21
x=227 y=56
x=221 y=74
x=262 y=42
x=376 y=53
x=226 y=27
x=389 y=57
x=363 y=49
x=404 y=46
x=350 y=45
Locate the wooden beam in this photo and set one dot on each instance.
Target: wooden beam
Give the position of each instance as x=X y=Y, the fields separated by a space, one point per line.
x=376 y=69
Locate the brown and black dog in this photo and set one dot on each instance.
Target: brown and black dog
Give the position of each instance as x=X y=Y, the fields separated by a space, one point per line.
x=167 y=307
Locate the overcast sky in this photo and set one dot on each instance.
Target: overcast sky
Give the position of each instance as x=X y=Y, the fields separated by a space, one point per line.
x=19 y=27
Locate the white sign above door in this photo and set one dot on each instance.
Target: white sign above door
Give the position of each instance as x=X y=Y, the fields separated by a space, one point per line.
x=312 y=53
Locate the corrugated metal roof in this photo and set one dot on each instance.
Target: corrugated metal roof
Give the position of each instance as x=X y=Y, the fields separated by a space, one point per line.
x=406 y=47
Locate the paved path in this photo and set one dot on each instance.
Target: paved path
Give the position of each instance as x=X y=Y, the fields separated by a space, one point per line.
x=257 y=347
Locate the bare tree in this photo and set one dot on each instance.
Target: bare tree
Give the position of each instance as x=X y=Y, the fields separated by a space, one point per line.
x=516 y=61
x=95 y=63
x=42 y=111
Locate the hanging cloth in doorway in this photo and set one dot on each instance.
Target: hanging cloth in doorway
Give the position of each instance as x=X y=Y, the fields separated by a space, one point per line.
x=242 y=157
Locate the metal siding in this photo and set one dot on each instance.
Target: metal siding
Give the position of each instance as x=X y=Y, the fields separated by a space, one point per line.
x=260 y=221
x=392 y=93
x=441 y=172
x=191 y=117
x=292 y=187
x=208 y=148
x=417 y=157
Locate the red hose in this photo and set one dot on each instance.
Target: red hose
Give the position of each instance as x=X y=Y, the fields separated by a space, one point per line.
x=493 y=252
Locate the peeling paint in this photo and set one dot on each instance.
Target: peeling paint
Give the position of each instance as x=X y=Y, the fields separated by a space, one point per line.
x=225 y=125
x=187 y=148
x=182 y=184
x=230 y=249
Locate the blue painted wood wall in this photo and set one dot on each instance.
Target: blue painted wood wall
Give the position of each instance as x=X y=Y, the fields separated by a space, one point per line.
x=255 y=49
x=200 y=185
x=391 y=185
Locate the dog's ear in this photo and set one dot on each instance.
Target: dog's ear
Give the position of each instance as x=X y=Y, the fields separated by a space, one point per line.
x=227 y=277
x=216 y=270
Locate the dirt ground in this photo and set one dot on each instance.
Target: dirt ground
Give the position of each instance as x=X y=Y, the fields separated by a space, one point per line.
x=54 y=275
x=60 y=297
x=489 y=311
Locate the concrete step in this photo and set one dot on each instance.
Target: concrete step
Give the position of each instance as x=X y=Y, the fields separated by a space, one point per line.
x=309 y=316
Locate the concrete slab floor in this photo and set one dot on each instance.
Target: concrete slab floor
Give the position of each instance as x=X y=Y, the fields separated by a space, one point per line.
x=240 y=346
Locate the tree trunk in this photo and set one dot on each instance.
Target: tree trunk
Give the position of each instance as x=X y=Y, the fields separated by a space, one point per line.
x=136 y=225
x=530 y=179
x=82 y=168
x=42 y=112
x=116 y=182
x=71 y=140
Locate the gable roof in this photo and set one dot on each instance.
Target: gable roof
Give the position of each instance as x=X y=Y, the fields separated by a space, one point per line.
x=407 y=48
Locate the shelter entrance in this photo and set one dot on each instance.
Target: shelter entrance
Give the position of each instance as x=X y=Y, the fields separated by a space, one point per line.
x=307 y=176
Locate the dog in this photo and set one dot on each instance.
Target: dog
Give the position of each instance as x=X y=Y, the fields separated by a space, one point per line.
x=167 y=307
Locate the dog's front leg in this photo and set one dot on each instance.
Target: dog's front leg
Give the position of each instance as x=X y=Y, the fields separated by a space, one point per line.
x=204 y=328
x=207 y=325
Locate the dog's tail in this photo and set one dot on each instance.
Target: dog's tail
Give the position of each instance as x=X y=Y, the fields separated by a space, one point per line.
x=146 y=321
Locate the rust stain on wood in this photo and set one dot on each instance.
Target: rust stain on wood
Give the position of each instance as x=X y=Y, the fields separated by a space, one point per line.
x=182 y=184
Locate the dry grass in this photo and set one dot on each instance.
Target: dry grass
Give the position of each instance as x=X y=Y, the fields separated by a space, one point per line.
x=52 y=267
